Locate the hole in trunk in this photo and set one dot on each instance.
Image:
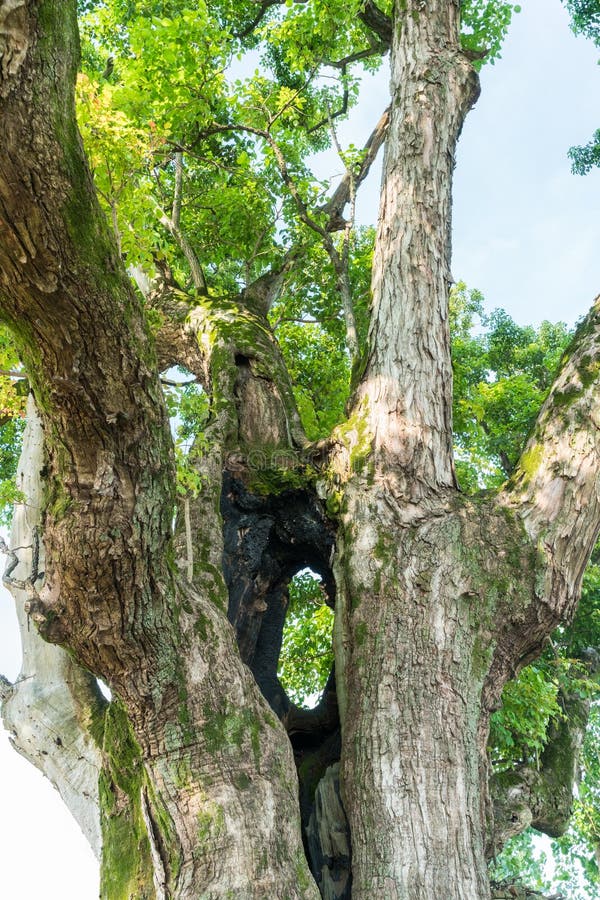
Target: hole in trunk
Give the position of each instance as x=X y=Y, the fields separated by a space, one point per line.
x=306 y=656
x=277 y=557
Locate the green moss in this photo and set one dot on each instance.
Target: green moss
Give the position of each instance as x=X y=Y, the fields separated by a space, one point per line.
x=276 y=480
x=567 y=397
x=530 y=461
x=588 y=371
x=334 y=503
x=241 y=781
x=354 y=434
x=231 y=730
x=360 y=634
x=356 y=597
x=127 y=869
x=211 y=823
x=303 y=878
x=202 y=626
x=482 y=655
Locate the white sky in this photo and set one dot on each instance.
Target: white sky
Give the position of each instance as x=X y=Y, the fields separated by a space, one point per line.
x=526 y=233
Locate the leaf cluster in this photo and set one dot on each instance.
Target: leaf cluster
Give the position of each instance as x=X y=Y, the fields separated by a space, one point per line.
x=502 y=374
x=585 y=20
x=484 y=26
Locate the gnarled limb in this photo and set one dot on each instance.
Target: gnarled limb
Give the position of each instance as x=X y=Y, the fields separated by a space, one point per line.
x=540 y=794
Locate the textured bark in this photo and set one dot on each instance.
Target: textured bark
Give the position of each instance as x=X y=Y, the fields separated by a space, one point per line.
x=406 y=387
x=414 y=631
x=431 y=618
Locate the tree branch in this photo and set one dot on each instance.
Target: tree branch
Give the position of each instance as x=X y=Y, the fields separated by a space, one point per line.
x=266 y=286
x=47 y=708
x=377 y=21
x=555 y=488
x=177 y=193
x=263 y=9
x=334 y=207
x=540 y=794
x=341 y=261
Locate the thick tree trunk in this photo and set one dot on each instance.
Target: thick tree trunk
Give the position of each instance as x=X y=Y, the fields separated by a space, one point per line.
x=432 y=617
x=406 y=389
x=409 y=676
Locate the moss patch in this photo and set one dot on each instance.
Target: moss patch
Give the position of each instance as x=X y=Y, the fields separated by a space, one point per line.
x=127 y=869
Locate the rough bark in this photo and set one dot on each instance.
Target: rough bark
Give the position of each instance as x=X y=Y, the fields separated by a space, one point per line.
x=431 y=620
x=406 y=385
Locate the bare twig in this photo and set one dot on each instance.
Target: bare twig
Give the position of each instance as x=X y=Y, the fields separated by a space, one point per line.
x=169 y=382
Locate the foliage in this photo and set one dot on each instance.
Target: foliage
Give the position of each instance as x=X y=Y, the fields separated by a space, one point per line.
x=518 y=729
x=585 y=19
x=485 y=25
x=577 y=852
x=188 y=409
x=520 y=857
x=309 y=324
x=502 y=374
x=306 y=653
x=13 y=392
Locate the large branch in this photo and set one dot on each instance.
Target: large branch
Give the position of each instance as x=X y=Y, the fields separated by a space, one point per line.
x=335 y=205
x=555 y=489
x=404 y=395
x=266 y=287
x=83 y=339
x=205 y=759
x=377 y=21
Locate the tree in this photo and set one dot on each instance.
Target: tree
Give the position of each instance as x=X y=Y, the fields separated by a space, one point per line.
x=174 y=592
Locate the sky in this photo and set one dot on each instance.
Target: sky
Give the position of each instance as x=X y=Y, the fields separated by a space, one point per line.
x=526 y=234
